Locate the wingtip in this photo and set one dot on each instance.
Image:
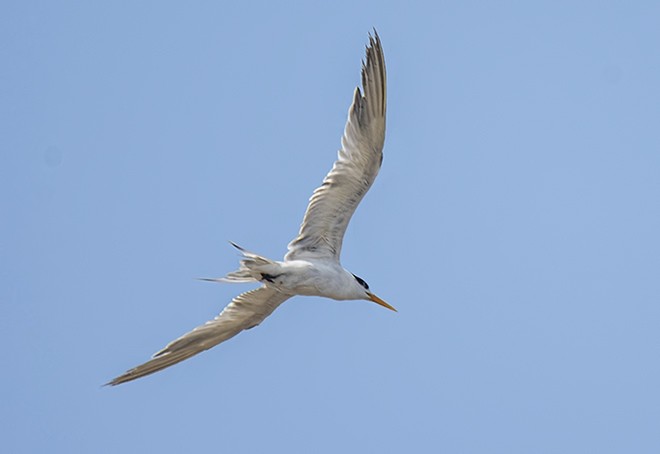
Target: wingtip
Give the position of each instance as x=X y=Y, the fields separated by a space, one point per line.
x=114 y=382
x=374 y=38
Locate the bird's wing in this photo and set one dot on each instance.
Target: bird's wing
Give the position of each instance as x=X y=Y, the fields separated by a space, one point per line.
x=245 y=311
x=333 y=203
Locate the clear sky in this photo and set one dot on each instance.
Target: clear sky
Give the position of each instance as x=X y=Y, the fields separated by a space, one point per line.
x=515 y=225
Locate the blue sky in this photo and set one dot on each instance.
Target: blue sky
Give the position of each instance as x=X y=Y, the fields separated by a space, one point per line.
x=514 y=225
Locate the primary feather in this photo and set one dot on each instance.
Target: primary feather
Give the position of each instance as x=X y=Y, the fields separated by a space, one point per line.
x=333 y=203
x=245 y=311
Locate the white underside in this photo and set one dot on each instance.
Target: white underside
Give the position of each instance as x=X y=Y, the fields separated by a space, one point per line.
x=312 y=277
x=318 y=278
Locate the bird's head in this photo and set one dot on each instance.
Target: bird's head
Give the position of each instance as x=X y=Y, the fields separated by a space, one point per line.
x=367 y=295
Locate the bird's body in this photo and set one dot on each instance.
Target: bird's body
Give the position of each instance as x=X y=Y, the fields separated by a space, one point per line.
x=302 y=277
x=311 y=266
x=312 y=277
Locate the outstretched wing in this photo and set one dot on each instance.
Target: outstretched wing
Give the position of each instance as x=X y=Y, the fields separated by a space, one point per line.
x=334 y=202
x=245 y=311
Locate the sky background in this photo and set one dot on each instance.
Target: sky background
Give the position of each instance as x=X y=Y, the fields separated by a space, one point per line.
x=515 y=225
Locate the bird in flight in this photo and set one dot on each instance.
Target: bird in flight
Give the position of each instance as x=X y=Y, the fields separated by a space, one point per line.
x=311 y=265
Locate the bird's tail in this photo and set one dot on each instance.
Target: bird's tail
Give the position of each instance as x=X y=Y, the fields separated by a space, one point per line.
x=252 y=268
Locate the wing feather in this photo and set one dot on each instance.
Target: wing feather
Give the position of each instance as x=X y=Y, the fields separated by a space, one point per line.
x=245 y=311
x=334 y=202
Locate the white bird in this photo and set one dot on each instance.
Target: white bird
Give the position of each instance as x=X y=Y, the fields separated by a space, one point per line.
x=311 y=265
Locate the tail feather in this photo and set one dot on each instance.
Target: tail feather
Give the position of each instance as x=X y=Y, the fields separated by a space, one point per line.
x=251 y=268
x=240 y=275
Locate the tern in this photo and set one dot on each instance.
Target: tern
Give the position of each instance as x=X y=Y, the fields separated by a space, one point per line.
x=311 y=265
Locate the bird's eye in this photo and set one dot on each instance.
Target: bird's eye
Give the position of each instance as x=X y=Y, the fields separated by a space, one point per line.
x=361 y=282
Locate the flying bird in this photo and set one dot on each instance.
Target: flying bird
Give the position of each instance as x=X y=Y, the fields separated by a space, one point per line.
x=311 y=265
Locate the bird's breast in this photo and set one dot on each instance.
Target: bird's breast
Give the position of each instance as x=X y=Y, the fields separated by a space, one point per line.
x=299 y=277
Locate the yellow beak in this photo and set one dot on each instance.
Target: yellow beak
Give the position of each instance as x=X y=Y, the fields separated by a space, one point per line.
x=377 y=300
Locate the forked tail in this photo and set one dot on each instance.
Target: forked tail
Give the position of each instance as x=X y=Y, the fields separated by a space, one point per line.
x=252 y=268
